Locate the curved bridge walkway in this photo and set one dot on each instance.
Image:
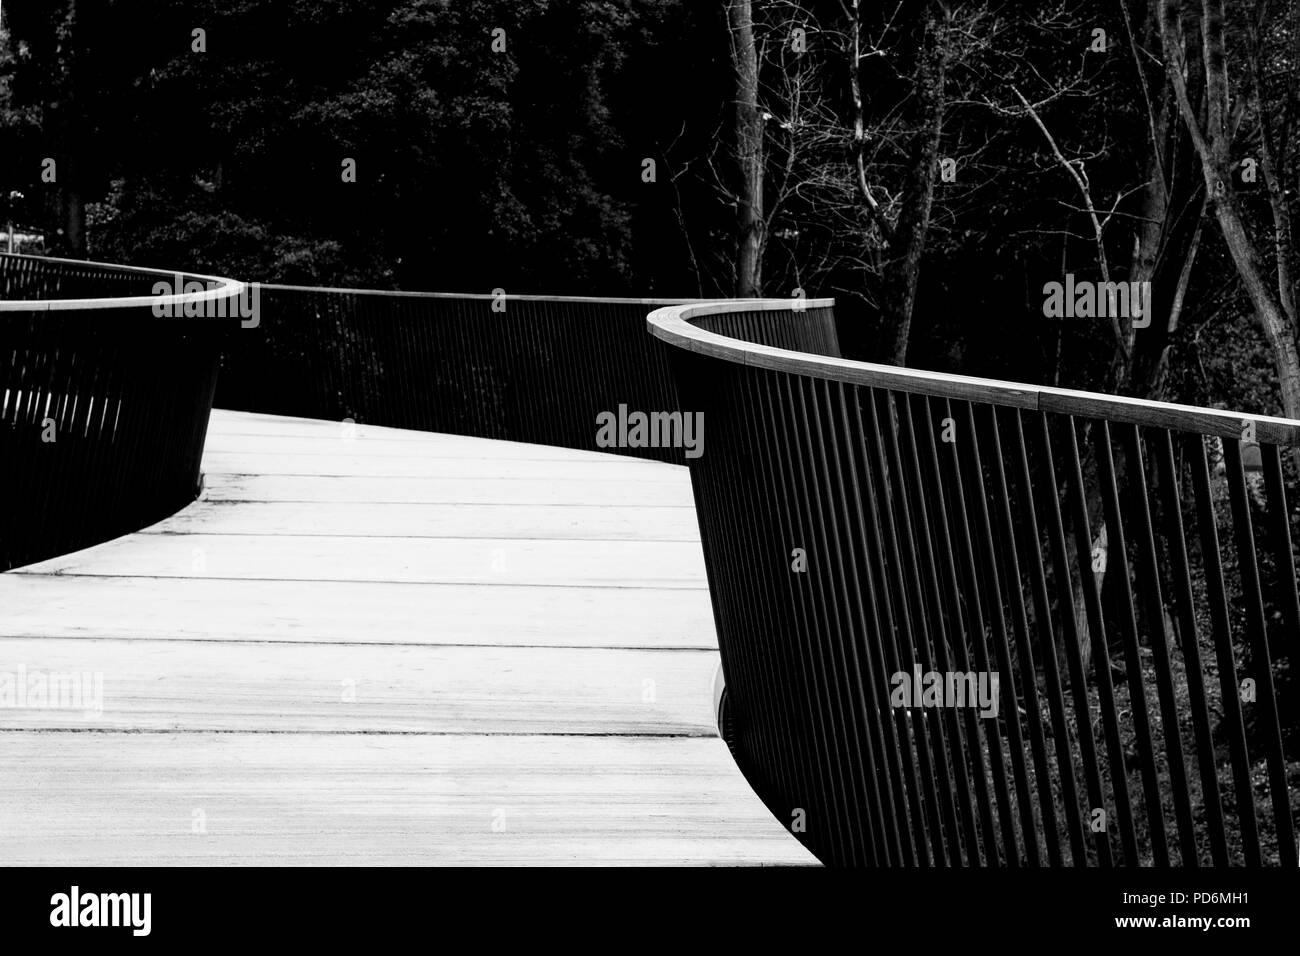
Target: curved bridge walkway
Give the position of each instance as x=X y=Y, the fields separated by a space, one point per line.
x=376 y=646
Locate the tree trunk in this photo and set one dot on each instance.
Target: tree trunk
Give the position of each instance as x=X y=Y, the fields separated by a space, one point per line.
x=749 y=152
x=907 y=243
x=69 y=129
x=1212 y=142
x=71 y=209
x=1268 y=309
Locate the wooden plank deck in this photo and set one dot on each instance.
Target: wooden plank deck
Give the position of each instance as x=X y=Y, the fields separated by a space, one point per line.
x=373 y=646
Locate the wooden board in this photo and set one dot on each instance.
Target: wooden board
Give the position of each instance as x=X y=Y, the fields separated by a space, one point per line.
x=352 y=688
x=398 y=648
x=364 y=464
x=274 y=433
x=434 y=521
x=352 y=612
x=369 y=799
x=453 y=491
x=484 y=561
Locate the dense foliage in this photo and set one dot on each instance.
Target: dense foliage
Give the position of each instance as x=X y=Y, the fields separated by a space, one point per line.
x=524 y=169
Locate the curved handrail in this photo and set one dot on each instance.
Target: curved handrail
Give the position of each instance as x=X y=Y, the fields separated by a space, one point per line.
x=104 y=399
x=214 y=288
x=675 y=325
x=872 y=532
x=486 y=296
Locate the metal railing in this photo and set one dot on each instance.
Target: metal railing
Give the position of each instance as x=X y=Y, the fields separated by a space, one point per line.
x=104 y=403
x=1123 y=567
x=870 y=532
x=534 y=369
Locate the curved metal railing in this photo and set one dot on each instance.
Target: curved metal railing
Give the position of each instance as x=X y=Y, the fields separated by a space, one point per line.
x=525 y=368
x=1124 y=568
x=106 y=381
x=965 y=621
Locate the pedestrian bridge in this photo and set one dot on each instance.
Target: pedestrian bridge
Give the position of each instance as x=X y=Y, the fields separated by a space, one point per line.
x=391 y=603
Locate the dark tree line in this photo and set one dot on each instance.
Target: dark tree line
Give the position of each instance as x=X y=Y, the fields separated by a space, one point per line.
x=930 y=164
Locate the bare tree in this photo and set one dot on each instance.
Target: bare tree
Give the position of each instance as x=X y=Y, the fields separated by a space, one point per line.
x=1212 y=132
x=68 y=123
x=752 y=231
x=1163 y=207
x=905 y=235
x=851 y=184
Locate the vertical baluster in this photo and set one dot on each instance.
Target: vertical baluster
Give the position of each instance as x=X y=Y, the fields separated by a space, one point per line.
x=1010 y=708
x=942 y=615
x=1261 y=665
x=876 y=491
x=1235 y=733
x=832 y=797
x=1184 y=607
x=1119 y=567
x=1149 y=579
x=961 y=635
x=832 y=508
x=976 y=632
x=1070 y=634
x=918 y=642
x=1047 y=643
x=1288 y=596
x=893 y=741
x=1101 y=650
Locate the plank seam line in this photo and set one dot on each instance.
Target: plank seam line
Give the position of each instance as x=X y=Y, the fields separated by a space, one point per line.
x=396 y=537
x=476 y=584
x=492 y=504
x=194 y=731
x=613 y=460
x=666 y=648
x=675 y=481
x=559 y=479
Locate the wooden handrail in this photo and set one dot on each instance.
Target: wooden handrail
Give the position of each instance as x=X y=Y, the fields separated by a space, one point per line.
x=510 y=296
x=674 y=325
x=216 y=288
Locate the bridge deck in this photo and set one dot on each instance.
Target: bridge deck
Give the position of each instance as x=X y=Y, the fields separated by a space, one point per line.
x=384 y=648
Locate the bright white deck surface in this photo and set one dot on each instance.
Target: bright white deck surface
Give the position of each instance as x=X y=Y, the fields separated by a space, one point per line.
x=394 y=648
